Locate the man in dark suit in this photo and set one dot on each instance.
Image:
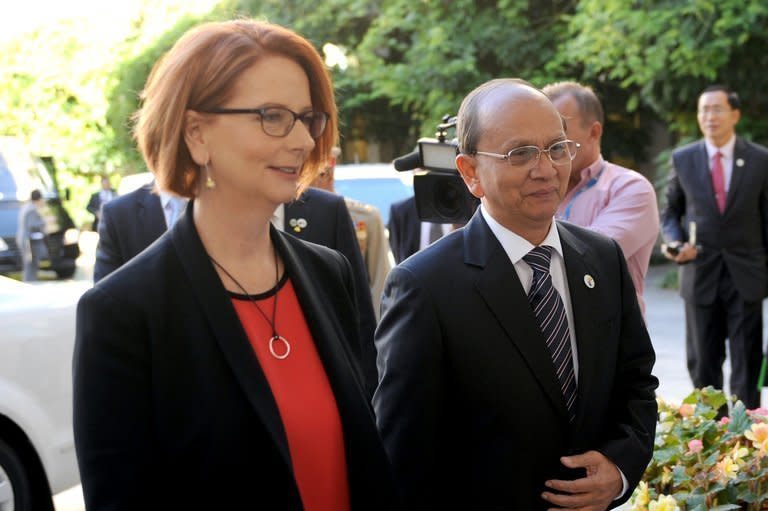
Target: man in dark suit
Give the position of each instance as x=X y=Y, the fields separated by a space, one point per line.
x=720 y=186
x=99 y=199
x=483 y=402
x=322 y=217
x=129 y=224
x=134 y=221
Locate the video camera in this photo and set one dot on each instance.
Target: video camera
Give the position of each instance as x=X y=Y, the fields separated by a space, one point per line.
x=441 y=195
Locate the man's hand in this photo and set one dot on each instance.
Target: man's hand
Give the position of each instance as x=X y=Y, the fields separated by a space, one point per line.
x=680 y=253
x=592 y=493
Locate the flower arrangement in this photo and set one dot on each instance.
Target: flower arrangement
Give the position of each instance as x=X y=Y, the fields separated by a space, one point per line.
x=701 y=463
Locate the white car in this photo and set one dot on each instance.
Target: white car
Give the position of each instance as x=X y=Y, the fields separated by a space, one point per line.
x=378 y=184
x=37 y=454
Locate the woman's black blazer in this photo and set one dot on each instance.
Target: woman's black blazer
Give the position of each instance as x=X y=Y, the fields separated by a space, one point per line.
x=171 y=407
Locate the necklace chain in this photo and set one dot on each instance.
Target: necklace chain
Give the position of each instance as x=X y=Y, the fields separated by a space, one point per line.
x=272 y=322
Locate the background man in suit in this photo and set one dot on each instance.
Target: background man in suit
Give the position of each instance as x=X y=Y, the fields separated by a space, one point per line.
x=133 y=222
x=98 y=199
x=473 y=410
x=407 y=233
x=603 y=196
x=369 y=229
x=720 y=185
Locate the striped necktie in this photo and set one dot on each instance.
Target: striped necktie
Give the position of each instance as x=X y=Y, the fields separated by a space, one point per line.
x=553 y=322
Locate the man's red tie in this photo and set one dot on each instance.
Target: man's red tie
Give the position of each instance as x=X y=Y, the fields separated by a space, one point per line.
x=718 y=181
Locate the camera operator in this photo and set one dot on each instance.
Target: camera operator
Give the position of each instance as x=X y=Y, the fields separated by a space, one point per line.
x=408 y=234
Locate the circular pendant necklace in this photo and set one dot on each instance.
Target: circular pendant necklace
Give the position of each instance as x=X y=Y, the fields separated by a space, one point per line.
x=276 y=338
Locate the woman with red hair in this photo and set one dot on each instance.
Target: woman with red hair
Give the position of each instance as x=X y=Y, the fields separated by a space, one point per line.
x=215 y=370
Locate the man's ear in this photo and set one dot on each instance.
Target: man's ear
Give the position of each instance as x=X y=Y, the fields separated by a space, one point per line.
x=194 y=136
x=467 y=166
x=596 y=131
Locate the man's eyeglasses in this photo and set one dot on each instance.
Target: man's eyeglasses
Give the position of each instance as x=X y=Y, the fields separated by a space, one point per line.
x=713 y=110
x=559 y=153
x=277 y=121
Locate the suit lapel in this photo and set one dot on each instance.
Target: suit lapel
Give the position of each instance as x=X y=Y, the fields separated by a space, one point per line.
x=737 y=172
x=225 y=326
x=503 y=293
x=578 y=264
x=296 y=214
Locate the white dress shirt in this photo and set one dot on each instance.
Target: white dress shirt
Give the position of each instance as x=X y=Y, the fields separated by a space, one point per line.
x=516 y=247
x=173 y=207
x=425 y=231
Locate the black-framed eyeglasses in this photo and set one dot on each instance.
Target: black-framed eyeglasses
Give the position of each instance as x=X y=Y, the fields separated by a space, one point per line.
x=277 y=121
x=559 y=153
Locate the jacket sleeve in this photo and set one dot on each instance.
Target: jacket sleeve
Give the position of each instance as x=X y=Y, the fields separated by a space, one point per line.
x=112 y=405
x=674 y=209
x=409 y=400
x=629 y=442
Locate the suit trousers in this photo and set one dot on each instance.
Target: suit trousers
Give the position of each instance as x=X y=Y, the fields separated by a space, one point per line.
x=707 y=328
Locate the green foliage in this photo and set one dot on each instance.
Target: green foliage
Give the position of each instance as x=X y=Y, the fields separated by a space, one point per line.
x=664 y=64
x=70 y=92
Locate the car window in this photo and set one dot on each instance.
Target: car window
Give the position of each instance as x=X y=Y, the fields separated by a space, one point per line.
x=21 y=173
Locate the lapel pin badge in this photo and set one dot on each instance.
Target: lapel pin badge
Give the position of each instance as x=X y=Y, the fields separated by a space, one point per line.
x=297 y=224
x=739 y=162
x=589 y=281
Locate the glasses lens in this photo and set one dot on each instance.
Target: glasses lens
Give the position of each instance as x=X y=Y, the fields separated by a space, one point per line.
x=277 y=122
x=522 y=155
x=562 y=152
x=315 y=123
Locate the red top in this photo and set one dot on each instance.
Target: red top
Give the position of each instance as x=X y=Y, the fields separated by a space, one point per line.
x=303 y=395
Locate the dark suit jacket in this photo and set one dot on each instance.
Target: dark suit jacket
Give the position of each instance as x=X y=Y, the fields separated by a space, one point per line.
x=328 y=223
x=128 y=225
x=171 y=407
x=738 y=238
x=404 y=229
x=469 y=406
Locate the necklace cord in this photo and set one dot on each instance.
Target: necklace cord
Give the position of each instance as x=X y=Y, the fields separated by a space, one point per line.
x=273 y=321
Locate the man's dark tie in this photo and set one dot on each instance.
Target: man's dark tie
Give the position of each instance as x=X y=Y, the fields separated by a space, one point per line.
x=550 y=314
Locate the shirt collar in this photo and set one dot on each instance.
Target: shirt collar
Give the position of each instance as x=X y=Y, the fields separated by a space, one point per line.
x=726 y=150
x=515 y=245
x=166 y=198
x=278 y=217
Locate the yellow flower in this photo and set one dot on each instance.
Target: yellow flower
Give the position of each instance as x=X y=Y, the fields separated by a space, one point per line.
x=641 y=497
x=666 y=477
x=663 y=503
x=726 y=469
x=758 y=433
x=739 y=452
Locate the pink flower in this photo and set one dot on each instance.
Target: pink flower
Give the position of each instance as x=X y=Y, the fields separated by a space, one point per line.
x=686 y=410
x=763 y=412
x=695 y=446
x=724 y=421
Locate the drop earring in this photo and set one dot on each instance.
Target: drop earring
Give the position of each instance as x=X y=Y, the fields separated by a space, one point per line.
x=209 y=182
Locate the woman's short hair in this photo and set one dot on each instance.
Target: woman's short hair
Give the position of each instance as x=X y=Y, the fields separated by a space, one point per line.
x=199 y=74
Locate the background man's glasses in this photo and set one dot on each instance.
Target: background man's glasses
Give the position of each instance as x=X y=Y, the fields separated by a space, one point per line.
x=559 y=153
x=277 y=121
x=715 y=110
